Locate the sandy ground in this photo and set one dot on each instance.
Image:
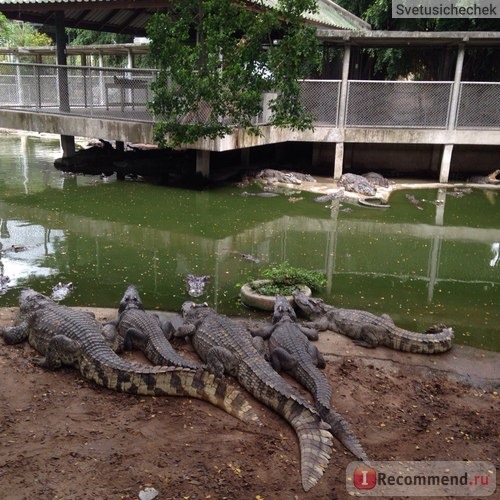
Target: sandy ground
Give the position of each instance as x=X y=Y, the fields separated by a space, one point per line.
x=64 y=437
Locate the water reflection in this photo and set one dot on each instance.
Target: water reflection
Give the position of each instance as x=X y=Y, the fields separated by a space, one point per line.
x=420 y=266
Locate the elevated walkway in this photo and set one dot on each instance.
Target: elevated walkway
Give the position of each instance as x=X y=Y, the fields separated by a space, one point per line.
x=111 y=103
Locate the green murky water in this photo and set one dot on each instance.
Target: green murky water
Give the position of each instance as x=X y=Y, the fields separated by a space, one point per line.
x=439 y=263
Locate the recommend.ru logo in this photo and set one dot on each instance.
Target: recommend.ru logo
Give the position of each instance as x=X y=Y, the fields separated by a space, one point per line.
x=413 y=478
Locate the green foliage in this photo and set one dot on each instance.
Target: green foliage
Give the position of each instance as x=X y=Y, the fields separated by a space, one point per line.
x=424 y=64
x=13 y=34
x=284 y=279
x=88 y=37
x=209 y=84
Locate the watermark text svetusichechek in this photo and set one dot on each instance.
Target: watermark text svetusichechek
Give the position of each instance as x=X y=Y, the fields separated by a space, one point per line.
x=420 y=478
x=451 y=9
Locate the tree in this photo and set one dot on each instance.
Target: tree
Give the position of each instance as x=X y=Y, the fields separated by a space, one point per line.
x=424 y=63
x=17 y=34
x=217 y=57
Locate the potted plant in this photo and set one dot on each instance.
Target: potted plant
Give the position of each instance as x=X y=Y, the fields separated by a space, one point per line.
x=280 y=279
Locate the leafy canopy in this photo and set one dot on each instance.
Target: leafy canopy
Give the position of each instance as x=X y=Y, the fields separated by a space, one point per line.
x=217 y=57
x=14 y=34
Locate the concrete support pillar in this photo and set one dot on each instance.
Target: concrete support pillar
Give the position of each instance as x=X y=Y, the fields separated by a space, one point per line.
x=67 y=145
x=203 y=162
x=339 y=148
x=343 y=86
x=339 y=160
x=455 y=93
x=444 y=173
x=62 y=73
x=245 y=157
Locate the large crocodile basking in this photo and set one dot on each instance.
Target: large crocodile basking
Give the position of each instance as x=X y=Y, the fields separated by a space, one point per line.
x=227 y=347
x=66 y=336
x=291 y=350
x=370 y=330
x=139 y=329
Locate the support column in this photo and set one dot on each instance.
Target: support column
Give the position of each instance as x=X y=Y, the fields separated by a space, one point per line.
x=62 y=73
x=444 y=173
x=455 y=92
x=339 y=160
x=203 y=162
x=245 y=157
x=339 y=148
x=67 y=145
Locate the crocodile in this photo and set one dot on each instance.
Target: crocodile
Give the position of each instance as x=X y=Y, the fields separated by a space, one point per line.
x=291 y=350
x=226 y=346
x=369 y=330
x=61 y=291
x=196 y=284
x=376 y=179
x=485 y=179
x=136 y=328
x=357 y=184
x=72 y=337
x=336 y=195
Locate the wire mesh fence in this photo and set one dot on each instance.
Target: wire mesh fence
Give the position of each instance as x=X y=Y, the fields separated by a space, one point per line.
x=79 y=91
x=321 y=98
x=399 y=104
x=123 y=94
x=479 y=106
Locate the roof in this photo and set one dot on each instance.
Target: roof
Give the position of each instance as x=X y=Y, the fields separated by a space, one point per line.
x=132 y=16
x=405 y=38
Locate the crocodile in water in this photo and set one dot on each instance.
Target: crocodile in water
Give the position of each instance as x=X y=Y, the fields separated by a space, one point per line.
x=370 y=330
x=291 y=350
x=66 y=336
x=226 y=346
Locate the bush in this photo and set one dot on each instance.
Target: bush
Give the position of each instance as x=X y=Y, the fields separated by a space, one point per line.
x=285 y=279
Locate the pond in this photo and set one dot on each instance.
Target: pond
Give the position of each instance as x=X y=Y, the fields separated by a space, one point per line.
x=436 y=264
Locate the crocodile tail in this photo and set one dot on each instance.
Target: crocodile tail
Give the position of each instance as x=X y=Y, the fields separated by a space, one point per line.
x=422 y=343
x=341 y=430
x=221 y=394
x=135 y=378
x=315 y=442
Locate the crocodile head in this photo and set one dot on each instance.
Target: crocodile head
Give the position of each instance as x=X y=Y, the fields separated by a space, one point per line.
x=131 y=300
x=282 y=309
x=189 y=309
x=309 y=306
x=196 y=284
x=30 y=300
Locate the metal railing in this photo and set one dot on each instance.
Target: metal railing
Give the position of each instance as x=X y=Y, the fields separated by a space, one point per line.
x=479 y=106
x=398 y=104
x=122 y=94
x=77 y=90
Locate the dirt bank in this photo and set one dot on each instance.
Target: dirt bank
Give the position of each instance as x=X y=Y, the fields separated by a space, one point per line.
x=63 y=437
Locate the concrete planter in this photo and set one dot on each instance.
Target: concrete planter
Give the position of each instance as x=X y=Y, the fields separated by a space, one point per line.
x=264 y=302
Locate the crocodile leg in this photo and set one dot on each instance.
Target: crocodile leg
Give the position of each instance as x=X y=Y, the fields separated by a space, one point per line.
x=15 y=334
x=134 y=339
x=319 y=325
x=61 y=350
x=368 y=336
x=221 y=360
x=316 y=357
x=282 y=360
x=310 y=333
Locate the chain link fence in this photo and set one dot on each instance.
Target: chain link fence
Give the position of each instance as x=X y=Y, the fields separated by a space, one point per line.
x=479 y=106
x=398 y=104
x=122 y=94
x=79 y=91
x=321 y=98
